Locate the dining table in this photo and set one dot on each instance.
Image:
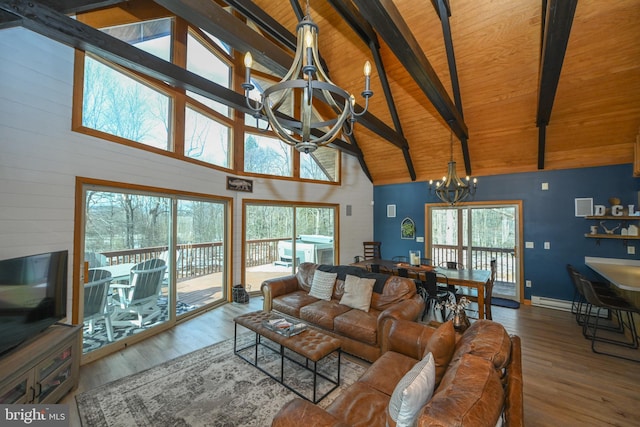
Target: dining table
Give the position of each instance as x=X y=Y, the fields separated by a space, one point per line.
x=467 y=278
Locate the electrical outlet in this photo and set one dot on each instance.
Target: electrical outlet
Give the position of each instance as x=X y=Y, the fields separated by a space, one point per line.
x=528 y=283
x=631 y=250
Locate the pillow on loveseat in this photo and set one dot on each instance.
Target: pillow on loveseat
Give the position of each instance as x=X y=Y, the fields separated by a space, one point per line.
x=412 y=392
x=322 y=285
x=357 y=292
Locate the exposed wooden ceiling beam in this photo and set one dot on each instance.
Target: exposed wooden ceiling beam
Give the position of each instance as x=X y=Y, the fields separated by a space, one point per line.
x=249 y=10
x=364 y=30
x=556 y=28
x=59 y=27
x=389 y=24
x=444 y=12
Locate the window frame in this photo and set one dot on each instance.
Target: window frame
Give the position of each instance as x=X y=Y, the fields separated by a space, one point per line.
x=178 y=98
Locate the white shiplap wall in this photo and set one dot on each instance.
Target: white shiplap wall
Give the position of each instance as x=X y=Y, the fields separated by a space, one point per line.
x=40 y=158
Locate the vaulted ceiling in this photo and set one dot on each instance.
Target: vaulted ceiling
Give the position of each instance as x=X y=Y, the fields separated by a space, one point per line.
x=537 y=84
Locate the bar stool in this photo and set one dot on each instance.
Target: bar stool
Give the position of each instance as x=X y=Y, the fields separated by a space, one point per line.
x=622 y=309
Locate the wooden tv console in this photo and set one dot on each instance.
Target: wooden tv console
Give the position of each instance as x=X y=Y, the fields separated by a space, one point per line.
x=44 y=369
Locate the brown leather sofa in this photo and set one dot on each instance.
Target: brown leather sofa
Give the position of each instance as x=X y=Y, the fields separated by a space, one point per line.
x=393 y=297
x=478 y=380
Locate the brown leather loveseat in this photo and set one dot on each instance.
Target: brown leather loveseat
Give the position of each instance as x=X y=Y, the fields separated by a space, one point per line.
x=393 y=297
x=478 y=381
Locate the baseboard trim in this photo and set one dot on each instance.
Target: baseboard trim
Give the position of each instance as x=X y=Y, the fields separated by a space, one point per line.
x=556 y=304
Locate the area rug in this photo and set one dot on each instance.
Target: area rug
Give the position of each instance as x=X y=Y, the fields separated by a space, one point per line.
x=209 y=387
x=503 y=302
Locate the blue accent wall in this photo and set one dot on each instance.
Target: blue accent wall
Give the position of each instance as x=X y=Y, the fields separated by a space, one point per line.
x=549 y=216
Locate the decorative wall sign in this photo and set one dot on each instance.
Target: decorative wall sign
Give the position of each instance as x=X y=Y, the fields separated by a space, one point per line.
x=239 y=184
x=407 y=229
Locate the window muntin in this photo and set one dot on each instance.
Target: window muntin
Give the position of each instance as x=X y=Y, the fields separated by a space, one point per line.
x=206 y=139
x=267 y=155
x=120 y=105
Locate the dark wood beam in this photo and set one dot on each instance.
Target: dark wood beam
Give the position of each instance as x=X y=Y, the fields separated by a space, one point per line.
x=9 y=20
x=249 y=10
x=542 y=141
x=556 y=30
x=444 y=12
x=389 y=24
x=364 y=30
x=59 y=27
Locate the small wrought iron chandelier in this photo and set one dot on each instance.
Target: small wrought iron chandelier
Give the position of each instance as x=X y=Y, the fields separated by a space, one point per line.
x=305 y=76
x=452 y=189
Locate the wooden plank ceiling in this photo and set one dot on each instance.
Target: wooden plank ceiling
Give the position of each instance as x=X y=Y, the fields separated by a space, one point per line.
x=595 y=114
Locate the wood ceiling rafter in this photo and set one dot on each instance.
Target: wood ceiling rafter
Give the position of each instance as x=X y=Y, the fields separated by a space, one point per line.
x=366 y=32
x=556 y=27
x=444 y=12
x=389 y=24
x=57 y=26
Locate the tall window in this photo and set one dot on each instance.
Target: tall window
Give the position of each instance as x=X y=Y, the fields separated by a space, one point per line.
x=144 y=112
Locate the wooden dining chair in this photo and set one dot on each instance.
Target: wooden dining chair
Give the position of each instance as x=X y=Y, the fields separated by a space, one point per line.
x=372 y=250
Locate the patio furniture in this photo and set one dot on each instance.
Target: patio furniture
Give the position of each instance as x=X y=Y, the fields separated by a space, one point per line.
x=137 y=301
x=95 y=300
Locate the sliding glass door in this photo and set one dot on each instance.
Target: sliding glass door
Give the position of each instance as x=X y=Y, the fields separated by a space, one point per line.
x=474 y=234
x=280 y=236
x=149 y=259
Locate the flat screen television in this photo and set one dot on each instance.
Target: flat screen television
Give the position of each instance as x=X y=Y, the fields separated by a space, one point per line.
x=33 y=296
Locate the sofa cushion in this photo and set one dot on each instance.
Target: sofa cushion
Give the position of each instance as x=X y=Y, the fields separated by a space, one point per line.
x=322 y=285
x=397 y=289
x=357 y=324
x=485 y=339
x=470 y=393
x=387 y=371
x=322 y=313
x=441 y=344
x=360 y=406
x=292 y=303
x=343 y=270
x=413 y=390
x=357 y=292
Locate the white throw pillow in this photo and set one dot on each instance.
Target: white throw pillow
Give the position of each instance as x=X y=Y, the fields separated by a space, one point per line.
x=412 y=392
x=357 y=292
x=322 y=285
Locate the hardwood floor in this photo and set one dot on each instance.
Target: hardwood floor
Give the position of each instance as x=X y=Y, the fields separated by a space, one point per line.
x=565 y=384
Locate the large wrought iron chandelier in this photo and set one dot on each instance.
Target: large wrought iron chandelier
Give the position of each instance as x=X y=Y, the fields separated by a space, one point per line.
x=452 y=189
x=304 y=81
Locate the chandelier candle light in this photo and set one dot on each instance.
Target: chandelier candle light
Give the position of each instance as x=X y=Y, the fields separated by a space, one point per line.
x=306 y=79
x=452 y=189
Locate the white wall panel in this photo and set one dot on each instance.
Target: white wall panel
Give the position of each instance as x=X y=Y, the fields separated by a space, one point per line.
x=40 y=158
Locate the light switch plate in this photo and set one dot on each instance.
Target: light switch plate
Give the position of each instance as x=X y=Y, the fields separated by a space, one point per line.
x=528 y=245
x=547 y=245
x=420 y=239
x=631 y=250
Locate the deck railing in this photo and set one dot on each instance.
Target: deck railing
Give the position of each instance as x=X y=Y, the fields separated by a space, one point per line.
x=481 y=259
x=198 y=259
